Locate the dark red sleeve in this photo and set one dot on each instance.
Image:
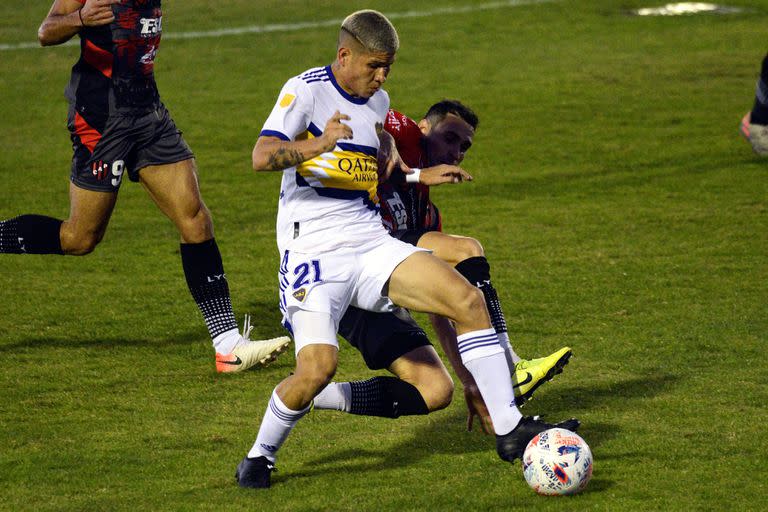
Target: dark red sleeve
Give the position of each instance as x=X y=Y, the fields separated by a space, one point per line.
x=407 y=137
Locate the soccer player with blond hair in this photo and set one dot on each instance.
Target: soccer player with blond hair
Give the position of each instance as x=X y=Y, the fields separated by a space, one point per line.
x=325 y=133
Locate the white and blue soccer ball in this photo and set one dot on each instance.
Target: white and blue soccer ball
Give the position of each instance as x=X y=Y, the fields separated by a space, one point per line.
x=557 y=462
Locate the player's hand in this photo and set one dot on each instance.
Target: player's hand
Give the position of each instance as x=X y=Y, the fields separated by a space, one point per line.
x=443 y=173
x=476 y=407
x=335 y=130
x=97 y=12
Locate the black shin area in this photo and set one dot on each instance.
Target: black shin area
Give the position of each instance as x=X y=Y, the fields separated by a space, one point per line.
x=387 y=397
x=477 y=271
x=207 y=283
x=30 y=234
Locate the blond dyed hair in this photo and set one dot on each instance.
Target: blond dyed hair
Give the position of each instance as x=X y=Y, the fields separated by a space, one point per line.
x=372 y=30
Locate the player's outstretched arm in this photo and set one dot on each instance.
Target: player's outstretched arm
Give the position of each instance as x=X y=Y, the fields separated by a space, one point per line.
x=443 y=173
x=274 y=154
x=67 y=17
x=475 y=404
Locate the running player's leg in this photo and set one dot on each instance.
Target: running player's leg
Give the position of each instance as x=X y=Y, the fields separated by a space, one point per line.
x=174 y=188
x=78 y=235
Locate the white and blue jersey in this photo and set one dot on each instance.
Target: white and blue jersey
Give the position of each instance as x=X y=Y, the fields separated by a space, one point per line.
x=329 y=201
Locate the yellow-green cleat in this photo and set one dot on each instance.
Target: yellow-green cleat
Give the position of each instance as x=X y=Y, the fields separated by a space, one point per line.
x=532 y=373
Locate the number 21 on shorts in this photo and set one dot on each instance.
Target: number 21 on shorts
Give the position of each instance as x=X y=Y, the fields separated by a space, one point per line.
x=307 y=273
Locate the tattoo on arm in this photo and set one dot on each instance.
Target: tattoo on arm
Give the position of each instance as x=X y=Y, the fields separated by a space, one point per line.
x=283 y=158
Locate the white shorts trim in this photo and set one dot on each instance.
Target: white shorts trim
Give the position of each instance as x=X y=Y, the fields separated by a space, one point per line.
x=311 y=328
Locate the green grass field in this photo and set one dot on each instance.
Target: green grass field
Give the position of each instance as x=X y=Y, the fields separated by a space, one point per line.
x=621 y=212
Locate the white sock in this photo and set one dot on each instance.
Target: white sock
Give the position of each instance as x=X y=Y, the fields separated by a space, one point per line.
x=278 y=422
x=226 y=342
x=337 y=396
x=509 y=352
x=483 y=356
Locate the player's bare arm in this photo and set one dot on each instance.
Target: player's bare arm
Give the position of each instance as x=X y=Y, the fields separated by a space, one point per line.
x=443 y=173
x=274 y=154
x=67 y=17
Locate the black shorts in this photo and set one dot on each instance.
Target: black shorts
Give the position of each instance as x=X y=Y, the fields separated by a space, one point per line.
x=128 y=143
x=381 y=337
x=409 y=236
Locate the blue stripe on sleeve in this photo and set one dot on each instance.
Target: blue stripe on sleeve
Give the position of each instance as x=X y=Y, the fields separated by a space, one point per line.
x=274 y=133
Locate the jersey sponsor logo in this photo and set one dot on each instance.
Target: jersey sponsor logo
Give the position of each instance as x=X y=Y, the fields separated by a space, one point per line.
x=399 y=213
x=151 y=26
x=345 y=170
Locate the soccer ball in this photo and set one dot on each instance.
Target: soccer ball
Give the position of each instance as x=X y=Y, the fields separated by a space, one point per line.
x=557 y=462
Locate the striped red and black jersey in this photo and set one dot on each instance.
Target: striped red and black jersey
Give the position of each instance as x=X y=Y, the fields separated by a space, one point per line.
x=406 y=206
x=115 y=73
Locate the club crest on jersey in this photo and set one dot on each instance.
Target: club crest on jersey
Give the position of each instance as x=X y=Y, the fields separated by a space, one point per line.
x=300 y=294
x=99 y=169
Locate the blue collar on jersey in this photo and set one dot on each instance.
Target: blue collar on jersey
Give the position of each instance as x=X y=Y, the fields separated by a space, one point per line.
x=345 y=94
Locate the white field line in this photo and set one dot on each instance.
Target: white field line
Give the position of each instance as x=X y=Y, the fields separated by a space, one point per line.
x=292 y=27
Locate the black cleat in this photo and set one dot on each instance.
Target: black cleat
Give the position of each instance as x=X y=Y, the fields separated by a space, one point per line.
x=511 y=446
x=254 y=473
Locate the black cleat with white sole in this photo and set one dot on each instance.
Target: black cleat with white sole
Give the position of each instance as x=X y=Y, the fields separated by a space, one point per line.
x=511 y=446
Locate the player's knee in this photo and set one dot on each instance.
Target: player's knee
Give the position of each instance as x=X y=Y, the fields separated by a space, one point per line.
x=439 y=393
x=469 y=305
x=465 y=248
x=196 y=226
x=79 y=244
x=316 y=374
x=319 y=376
